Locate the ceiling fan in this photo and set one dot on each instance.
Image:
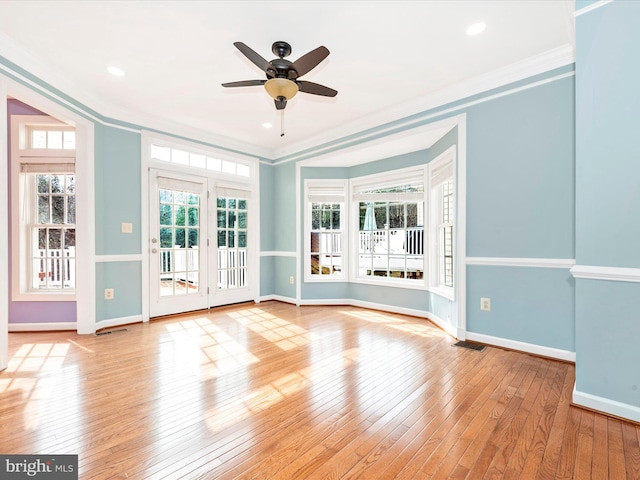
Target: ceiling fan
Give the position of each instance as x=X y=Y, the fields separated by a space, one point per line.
x=283 y=77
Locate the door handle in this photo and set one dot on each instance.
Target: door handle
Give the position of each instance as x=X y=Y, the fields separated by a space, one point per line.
x=154 y=240
x=154 y=250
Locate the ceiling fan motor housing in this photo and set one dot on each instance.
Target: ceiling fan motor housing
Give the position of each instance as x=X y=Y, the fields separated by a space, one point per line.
x=281 y=49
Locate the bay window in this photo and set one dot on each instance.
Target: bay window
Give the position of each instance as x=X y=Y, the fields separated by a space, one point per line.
x=402 y=228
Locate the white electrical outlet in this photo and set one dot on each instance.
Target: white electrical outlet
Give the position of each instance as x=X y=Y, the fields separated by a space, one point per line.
x=108 y=293
x=485 y=304
x=291 y=280
x=126 y=227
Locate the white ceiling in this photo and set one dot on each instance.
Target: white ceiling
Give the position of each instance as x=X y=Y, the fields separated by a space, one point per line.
x=385 y=57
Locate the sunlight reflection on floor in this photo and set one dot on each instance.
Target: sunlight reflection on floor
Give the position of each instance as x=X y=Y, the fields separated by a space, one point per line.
x=208 y=351
x=282 y=333
x=264 y=397
x=24 y=368
x=423 y=329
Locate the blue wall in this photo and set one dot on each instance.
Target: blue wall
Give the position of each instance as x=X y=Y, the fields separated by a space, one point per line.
x=126 y=279
x=118 y=199
x=117 y=190
x=608 y=205
x=520 y=205
x=530 y=305
x=520 y=170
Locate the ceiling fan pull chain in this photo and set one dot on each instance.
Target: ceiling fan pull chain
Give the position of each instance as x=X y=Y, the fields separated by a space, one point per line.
x=282 y=123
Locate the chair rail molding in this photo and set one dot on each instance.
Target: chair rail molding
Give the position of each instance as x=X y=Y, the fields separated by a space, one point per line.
x=616 y=274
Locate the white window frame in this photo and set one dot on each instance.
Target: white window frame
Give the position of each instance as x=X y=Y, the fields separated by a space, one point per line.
x=21 y=200
x=326 y=191
x=441 y=170
x=385 y=179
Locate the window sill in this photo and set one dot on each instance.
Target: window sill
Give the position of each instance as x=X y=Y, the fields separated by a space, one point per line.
x=408 y=284
x=445 y=292
x=326 y=279
x=44 y=297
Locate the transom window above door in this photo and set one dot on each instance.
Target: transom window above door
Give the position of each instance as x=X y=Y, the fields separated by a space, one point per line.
x=178 y=156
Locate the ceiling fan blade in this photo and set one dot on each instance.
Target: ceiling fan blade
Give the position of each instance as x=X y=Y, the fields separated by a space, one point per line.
x=257 y=60
x=280 y=102
x=310 y=60
x=316 y=89
x=244 y=83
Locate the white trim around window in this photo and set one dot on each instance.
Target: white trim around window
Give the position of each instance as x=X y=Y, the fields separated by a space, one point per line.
x=325 y=230
x=26 y=162
x=442 y=226
x=367 y=189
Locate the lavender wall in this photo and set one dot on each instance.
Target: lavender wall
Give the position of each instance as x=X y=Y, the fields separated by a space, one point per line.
x=32 y=312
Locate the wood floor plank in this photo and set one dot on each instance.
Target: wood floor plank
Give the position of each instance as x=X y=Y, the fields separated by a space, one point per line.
x=553 y=463
x=631 y=450
x=600 y=452
x=538 y=444
x=278 y=392
x=584 y=453
x=617 y=467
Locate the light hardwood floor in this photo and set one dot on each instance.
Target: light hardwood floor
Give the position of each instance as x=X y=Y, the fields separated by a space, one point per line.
x=271 y=391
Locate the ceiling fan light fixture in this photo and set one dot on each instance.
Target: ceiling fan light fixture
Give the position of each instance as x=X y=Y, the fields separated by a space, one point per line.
x=281 y=87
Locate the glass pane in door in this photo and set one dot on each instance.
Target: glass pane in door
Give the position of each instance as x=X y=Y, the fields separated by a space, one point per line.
x=179 y=214
x=232 y=242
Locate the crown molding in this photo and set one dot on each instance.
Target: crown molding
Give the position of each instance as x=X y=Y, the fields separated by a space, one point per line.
x=87 y=100
x=517 y=71
x=591 y=7
x=535 y=65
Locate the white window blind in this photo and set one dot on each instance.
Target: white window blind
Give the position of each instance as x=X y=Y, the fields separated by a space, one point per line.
x=325 y=193
x=232 y=192
x=47 y=167
x=179 y=185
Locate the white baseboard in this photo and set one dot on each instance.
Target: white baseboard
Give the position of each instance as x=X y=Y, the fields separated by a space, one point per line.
x=606 y=405
x=116 y=322
x=557 y=353
x=279 y=298
x=42 y=327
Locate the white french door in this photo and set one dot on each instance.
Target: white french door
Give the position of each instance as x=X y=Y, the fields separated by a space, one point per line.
x=178 y=237
x=233 y=246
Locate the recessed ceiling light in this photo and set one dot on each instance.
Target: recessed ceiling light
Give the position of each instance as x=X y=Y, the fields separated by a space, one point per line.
x=267 y=125
x=476 y=28
x=118 y=72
